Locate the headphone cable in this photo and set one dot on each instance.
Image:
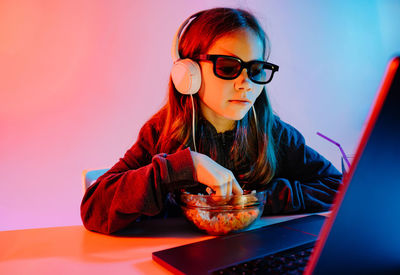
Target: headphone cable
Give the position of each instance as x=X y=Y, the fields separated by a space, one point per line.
x=193 y=124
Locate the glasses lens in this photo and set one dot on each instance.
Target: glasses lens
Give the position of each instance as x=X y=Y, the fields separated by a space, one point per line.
x=260 y=72
x=227 y=67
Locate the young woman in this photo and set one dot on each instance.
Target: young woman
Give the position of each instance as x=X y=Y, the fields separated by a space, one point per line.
x=216 y=133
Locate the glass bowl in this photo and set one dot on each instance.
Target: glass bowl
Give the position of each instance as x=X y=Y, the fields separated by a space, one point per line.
x=222 y=215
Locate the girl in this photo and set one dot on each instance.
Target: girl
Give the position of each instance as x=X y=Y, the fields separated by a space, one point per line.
x=217 y=132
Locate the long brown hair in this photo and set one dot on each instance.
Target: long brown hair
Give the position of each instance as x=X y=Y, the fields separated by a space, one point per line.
x=253 y=145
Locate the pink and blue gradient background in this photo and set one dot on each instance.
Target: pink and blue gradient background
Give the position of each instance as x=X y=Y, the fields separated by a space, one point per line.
x=79 y=78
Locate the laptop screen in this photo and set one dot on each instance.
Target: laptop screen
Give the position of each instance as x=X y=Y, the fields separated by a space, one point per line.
x=363 y=233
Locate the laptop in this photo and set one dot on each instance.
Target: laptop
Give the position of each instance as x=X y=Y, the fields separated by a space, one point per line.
x=362 y=234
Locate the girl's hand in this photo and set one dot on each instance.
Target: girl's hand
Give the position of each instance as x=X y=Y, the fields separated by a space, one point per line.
x=215 y=176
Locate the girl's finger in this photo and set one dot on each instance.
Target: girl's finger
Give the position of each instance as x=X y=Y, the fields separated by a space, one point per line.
x=229 y=188
x=236 y=189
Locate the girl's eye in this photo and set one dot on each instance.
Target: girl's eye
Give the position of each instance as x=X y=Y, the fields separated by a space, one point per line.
x=226 y=70
x=227 y=67
x=256 y=71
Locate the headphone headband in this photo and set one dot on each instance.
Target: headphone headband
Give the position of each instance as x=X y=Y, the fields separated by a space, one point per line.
x=175 y=42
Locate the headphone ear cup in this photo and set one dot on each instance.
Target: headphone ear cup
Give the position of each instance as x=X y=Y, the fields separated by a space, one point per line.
x=186 y=76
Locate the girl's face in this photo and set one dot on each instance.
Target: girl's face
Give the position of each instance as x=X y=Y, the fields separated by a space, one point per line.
x=223 y=101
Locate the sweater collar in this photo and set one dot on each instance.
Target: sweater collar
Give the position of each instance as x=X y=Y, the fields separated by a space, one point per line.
x=212 y=131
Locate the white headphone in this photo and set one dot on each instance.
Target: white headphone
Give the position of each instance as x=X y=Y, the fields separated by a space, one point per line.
x=185 y=73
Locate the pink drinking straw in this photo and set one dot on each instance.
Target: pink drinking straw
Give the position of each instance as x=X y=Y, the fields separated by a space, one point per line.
x=338 y=145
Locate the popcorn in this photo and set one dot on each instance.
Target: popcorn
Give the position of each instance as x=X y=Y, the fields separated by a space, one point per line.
x=223 y=222
x=222 y=216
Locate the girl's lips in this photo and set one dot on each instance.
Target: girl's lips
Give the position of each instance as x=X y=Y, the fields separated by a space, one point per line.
x=241 y=102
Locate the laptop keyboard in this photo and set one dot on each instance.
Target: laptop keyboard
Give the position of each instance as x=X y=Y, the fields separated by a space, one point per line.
x=292 y=261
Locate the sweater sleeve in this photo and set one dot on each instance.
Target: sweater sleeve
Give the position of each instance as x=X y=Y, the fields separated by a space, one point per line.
x=305 y=181
x=136 y=185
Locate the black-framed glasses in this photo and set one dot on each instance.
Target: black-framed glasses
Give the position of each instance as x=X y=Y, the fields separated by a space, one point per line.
x=230 y=67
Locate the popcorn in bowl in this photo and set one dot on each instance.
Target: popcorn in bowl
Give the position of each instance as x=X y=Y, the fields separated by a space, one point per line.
x=219 y=215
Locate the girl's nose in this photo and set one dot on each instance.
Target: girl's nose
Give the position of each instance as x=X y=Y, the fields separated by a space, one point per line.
x=243 y=82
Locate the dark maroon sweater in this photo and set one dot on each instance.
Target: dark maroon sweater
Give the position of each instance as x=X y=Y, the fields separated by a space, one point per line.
x=141 y=183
